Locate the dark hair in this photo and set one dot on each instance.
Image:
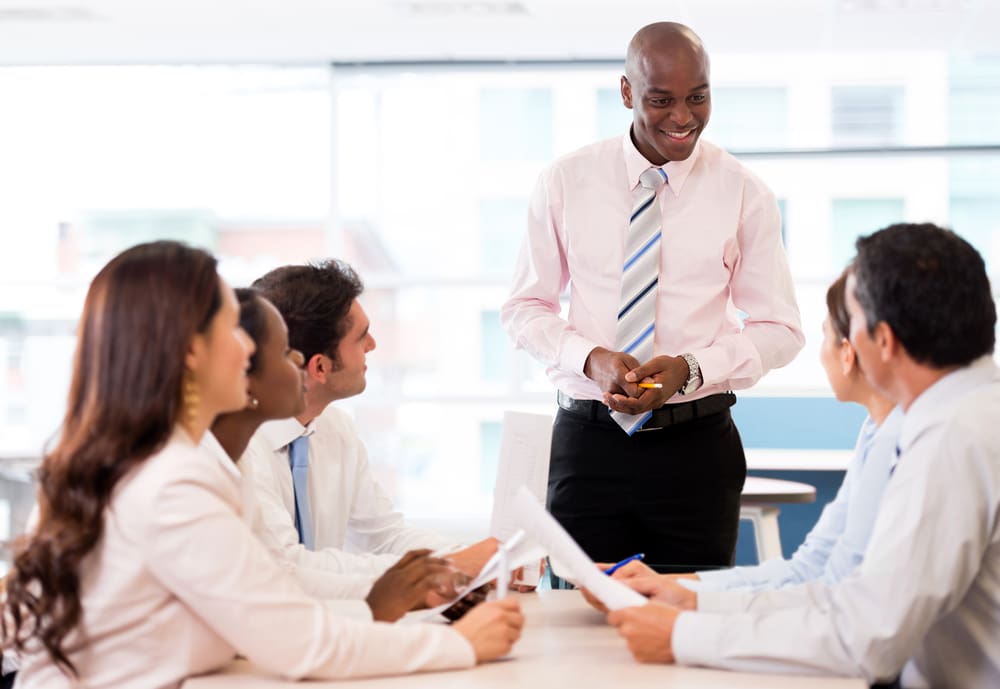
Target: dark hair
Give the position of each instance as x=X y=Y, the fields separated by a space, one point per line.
x=252 y=321
x=836 y=306
x=125 y=396
x=314 y=300
x=930 y=286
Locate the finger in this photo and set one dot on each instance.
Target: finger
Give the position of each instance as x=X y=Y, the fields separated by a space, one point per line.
x=616 y=618
x=410 y=557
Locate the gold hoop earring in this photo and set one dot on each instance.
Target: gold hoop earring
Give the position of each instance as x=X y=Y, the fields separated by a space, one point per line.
x=190 y=399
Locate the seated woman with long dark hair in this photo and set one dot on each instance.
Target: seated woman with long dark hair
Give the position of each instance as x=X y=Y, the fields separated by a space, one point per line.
x=140 y=571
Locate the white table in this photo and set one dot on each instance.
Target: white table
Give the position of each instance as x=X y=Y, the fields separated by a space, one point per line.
x=565 y=644
x=759 y=505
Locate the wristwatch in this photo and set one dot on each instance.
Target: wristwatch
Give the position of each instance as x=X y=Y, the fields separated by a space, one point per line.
x=694 y=375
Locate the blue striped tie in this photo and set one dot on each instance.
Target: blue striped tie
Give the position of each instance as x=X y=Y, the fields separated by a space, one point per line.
x=637 y=315
x=298 y=459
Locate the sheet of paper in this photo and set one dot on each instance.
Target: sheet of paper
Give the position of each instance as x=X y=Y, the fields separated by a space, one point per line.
x=525 y=444
x=521 y=551
x=532 y=517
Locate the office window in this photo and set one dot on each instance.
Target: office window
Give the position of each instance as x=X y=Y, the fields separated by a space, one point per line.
x=854 y=217
x=489 y=454
x=613 y=118
x=502 y=224
x=96 y=159
x=974 y=99
x=748 y=118
x=496 y=350
x=515 y=124
x=867 y=115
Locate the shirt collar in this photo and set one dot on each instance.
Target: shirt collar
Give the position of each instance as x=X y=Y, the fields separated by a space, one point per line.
x=930 y=406
x=279 y=434
x=677 y=171
x=211 y=444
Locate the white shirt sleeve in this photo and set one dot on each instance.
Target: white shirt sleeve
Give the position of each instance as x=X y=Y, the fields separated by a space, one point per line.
x=200 y=550
x=935 y=526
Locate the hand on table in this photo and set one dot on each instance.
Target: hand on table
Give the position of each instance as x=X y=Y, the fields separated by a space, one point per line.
x=648 y=631
x=664 y=589
x=471 y=559
x=408 y=583
x=492 y=628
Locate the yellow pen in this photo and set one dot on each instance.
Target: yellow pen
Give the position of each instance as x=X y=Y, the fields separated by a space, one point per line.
x=650 y=386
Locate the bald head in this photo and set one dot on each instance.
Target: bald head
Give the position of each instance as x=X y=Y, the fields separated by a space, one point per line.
x=662 y=38
x=666 y=87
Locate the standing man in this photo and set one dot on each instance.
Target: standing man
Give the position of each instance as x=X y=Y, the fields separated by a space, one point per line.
x=664 y=239
x=926 y=598
x=320 y=507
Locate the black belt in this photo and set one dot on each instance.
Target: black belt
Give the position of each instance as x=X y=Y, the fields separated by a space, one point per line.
x=667 y=415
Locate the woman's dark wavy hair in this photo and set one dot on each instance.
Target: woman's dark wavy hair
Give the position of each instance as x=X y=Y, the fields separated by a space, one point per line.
x=140 y=315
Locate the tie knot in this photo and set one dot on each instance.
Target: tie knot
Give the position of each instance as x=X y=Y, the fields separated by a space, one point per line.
x=653 y=178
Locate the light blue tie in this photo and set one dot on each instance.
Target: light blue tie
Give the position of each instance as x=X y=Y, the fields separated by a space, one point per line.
x=298 y=459
x=640 y=276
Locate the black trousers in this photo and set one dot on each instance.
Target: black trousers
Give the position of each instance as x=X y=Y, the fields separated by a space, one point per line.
x=672 y=493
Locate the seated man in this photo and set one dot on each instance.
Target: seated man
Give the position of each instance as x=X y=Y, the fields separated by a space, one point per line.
x=926 y=599
x=315 y=489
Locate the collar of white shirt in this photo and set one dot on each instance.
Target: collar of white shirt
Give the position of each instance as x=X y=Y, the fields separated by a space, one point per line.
x=928 y=408
x=677 y=171
x=279 y=433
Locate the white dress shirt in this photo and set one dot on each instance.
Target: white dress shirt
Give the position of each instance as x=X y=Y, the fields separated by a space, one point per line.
x=837 y=543
x=720 y=252
x=178 y=585
x=927 y=594
x=356 y=529
x=343 y=591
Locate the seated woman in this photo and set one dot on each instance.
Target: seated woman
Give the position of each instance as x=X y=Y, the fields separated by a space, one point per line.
x=140 y=571
x=837 y=543
x=276 y=391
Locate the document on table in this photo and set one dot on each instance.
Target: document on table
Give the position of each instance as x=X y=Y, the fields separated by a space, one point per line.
x=521 y=550
x=532 y=517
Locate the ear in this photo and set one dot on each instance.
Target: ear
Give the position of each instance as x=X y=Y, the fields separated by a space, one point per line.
x=886 y=340
x=848 y=357
x=318 y=368
x=626 y=92
x=196 y=353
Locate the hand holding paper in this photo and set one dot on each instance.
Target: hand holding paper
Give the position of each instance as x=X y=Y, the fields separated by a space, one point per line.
x=571 y=559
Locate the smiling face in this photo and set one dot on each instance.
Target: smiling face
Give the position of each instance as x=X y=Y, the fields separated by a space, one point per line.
x=666 y=87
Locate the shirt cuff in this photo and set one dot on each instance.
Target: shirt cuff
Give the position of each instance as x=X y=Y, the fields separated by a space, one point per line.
x=713 y=364
x=574 y=353
x=694 y=639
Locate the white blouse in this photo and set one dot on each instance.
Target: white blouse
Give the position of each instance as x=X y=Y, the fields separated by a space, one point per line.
x=178 y=585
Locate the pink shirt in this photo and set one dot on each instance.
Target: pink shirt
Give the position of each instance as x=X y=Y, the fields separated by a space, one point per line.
x=178 y=585
x=720 y=252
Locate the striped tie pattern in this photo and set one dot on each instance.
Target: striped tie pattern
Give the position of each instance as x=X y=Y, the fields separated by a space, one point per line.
x=640 y=275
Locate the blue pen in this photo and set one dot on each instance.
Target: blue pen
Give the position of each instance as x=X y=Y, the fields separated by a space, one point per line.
x=614 y=568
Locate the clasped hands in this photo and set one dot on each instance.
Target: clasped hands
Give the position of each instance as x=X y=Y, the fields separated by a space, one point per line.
x=618 y=374
x=648 y=629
